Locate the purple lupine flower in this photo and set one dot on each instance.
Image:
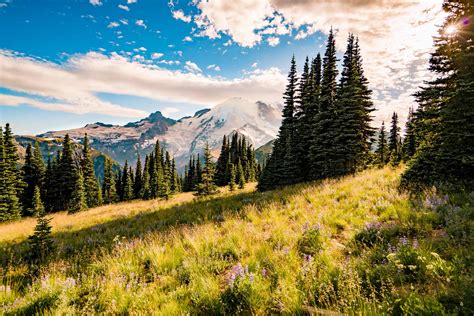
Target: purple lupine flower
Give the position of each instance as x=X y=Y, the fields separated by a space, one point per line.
x=403 y=240
x=251 y=277
x=264 y=272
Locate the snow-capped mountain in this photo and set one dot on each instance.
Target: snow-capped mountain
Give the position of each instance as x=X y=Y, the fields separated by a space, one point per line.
x=257 y=121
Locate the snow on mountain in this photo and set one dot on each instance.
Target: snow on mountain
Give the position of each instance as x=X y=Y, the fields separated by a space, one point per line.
x=257 y=121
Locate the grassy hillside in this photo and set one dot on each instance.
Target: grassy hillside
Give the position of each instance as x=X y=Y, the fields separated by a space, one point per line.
x=349 y=245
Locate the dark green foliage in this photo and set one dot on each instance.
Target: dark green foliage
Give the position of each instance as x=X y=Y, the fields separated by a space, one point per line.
x=67 y=174
x=409 y=143
x=240 y=176
x=77 y=201
x=126 y=184
x=138 y=181
x=232 y=177
x=326 y=129
x=394 y=141
x=37 y=206
x=33 y=176
x=41 y=243
x=207 y=185
x=109 y=192
x=382 y=150
x=10 y=182
x=444 y=120
x=91 y=185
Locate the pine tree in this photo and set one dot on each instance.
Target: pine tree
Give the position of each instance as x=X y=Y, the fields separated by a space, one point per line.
x=37 y=206
x=207 y=185
x=78 y=200
x=240 y=176
x=138 y=183
x=68 y=175
x=409 y=143
x=145 y=192
x=394 y=135
x=444 y=119
x=280 y=168
x=127 y=188
x=222 y=177
x=109 y=192
x=324 y=132
x=40 y=243
x=382 y=150
x=232 y=177
x=11 y=183
x=174 y=181
x=91 y=185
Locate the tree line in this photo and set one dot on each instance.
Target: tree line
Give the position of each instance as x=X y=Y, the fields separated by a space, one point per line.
x=236 y=165
x=326 y=129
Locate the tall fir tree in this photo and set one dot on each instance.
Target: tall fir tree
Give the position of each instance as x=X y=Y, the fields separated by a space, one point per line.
x=280 y=168
x=41 y=243
x=444 y=120
x=222 y=176
x=233 y=176
x=382 y=149
x=11 y=183
x=394 y=141
x=78 y=201
x=409 y=142
x=138 y=183
x=127 y=187
x=207 y=185
x=68 y=173
x=324 y=132
x=91 y=184
x=109 y=192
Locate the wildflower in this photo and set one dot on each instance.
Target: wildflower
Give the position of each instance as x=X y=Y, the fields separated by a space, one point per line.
x=415 y=243
x=70 y=282
x=264 y=272
x=403 y=240
x=251 y=277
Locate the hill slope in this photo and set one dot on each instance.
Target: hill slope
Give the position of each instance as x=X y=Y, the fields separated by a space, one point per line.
x=354 y=244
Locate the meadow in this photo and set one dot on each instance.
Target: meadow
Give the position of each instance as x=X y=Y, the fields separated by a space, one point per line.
x=354 y=245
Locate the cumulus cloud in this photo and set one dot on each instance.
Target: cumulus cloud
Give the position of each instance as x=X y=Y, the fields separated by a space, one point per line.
x=395 y=35
x=187 y=39
x=131 y=1
x=192 y=67
x=95 y=2
x=141 y=23
x=124 y=7
x=273 y=41
x=214 y=67
x=179 y=15
x=156 y=55
x=168 y=111
x=113 y=25
x=73 y=85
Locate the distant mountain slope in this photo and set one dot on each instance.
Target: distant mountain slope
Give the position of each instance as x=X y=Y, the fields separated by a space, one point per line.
x=257 y=121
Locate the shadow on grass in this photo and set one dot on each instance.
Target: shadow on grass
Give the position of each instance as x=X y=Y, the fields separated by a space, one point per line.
x=83 y=246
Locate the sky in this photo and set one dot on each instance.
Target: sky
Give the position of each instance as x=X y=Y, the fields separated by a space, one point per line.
x=66 y=63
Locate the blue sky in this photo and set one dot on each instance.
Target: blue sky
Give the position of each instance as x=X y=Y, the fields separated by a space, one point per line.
x=69 y=63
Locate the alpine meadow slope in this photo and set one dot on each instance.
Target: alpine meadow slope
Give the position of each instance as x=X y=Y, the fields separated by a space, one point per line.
x=353 y=245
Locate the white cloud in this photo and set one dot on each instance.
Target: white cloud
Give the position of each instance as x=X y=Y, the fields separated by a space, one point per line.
x=168 y=111
x=187 y=39
x=113 y=25
x=156 y=55
x=228 y=43
x=179 y=15
x=95 y=2
x=395 y=35
x=254 y=65
x=192 y=67
x=214 y=67
x=273 y=41
x=124 y=7
x=169 y=62
x=140 y=23
x=124 y=21
x=131 y=1
x=72 y=86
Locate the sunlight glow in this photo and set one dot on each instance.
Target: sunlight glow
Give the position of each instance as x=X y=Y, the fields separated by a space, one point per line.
x=450 y=30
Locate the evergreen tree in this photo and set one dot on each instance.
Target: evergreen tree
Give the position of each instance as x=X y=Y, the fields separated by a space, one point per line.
x=325 y=129
x=11 y=183
x=138 y=183
x=33 y=176
x=127 y=188
x=68 y=175
x=409 y=143
x=240 y=176
x=108 y=186
x=280 y=168
x=445 y=116
x=145 y=192
x=78 y=200
x=382 y=150
x=174 y=181
x=232 y=177
x=207 y=185
x=37 y=206
x=394 y=135
x=222 y=177
x=91 y=185
x=40 y=243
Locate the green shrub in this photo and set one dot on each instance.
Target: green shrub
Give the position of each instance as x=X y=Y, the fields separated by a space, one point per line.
x=310 y=243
